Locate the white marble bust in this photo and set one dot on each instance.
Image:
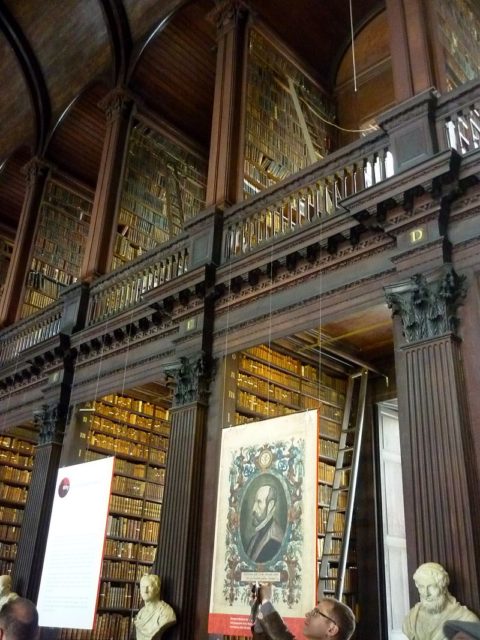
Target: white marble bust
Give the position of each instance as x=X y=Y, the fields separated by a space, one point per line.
x=426 y=619
x=156 y=615
x=6 y=593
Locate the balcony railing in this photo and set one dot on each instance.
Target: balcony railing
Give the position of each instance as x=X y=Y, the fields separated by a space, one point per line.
x=29 y=332
x=122 y=289
x=311 y=195
x=458 y=118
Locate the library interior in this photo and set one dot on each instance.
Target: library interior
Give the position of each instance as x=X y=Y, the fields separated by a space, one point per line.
x=227 y=225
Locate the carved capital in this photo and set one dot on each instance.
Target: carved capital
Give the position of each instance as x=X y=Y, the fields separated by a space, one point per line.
x=34 y=169
x=427 y=305
x=227 y=14
x=191 y=377
x=118 y=103
x=50 y=421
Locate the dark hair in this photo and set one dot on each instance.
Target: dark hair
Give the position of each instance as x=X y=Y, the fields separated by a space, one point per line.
x=343 y=616
x=19 y=619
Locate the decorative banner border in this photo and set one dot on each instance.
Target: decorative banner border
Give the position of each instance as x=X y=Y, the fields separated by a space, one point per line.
x=266 y=521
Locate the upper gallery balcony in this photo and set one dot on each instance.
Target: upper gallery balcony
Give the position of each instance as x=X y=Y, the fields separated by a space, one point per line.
x=170 y=142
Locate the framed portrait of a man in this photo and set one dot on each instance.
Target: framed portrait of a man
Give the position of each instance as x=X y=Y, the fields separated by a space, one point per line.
x=266 y=520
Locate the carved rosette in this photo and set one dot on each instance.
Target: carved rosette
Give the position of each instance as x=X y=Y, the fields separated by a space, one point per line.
x=427 y=305
x=227 y=14
x=34 y=169
x=50 y=422
x=191 y=377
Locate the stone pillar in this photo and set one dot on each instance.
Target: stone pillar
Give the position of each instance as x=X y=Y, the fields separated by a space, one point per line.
x=412 y=44
x=13 y=293
x=225 y=170
x=50 y=421
x=437 y=454
x=118 y=107
x=178 y=547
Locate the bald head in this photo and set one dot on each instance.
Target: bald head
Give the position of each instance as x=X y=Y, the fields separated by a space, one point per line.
x=19 y=620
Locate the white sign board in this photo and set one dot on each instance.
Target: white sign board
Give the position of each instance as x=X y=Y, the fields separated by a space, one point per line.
x=73 y=558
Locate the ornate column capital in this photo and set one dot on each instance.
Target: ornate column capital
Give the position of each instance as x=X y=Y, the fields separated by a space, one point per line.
x=117 y=103
x=34 y=169
x=191 y=376
x=50 y=422
x=427 y=305
x=227 y=14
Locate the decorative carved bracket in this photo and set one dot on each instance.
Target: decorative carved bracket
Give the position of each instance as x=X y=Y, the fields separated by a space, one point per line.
x=227 y=14
x=427 y=305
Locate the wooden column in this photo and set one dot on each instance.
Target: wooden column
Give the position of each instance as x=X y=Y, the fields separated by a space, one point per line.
x=101 y=236
x=225 y=170
x=437 y=455
x=11 y=301
x=413 y=47
x=178 y=547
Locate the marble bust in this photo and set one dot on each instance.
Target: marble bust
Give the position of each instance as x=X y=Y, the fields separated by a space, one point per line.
x=156 y=615
x=6 y=593
x=426 y=619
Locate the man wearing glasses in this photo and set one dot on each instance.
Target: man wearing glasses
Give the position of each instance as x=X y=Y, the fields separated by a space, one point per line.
x=330 y=620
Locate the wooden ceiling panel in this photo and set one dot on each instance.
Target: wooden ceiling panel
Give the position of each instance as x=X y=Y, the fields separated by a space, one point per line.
x=144 y=16
x=16 y=112
x=76 y=144
x=71 y=43
x=176 y=73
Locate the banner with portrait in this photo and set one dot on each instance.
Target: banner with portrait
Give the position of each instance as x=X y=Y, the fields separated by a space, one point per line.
x=266 y=521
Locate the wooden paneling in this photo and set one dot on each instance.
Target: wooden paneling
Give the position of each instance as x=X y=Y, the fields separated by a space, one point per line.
x=76 y=144
x=176 y=73
x=12 y=192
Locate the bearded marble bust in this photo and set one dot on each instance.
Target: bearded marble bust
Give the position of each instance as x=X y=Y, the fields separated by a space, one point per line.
x=156 y=615
x=437 y=605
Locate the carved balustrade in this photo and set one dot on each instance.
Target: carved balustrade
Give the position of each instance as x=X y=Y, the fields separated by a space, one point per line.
x=123 y=289
x=458 y=118
x=30 y=332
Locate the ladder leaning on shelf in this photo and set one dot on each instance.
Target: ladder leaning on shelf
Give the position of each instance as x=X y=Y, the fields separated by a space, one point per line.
x=334 y=562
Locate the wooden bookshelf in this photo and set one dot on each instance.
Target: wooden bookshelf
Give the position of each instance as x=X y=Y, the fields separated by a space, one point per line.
x=137 y=434
x=264 y=383
x=60 y=242
x=164 y=186
x=286 y=117
x=16 y=462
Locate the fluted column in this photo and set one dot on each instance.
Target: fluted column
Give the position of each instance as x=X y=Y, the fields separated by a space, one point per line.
x=50 y=422
x=178 y=547
x=10 y=304
x=225 y=170
x=118 y=107
x=438 y=467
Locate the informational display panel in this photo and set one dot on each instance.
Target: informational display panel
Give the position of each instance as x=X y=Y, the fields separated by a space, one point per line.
x=73 y=558
x=266 y=521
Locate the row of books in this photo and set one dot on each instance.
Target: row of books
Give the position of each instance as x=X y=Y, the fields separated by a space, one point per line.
x=13 y=494
x=131 y=417
x=338 y=521
x=52 y=271
x=8 y=551
x=107 y=627
x=267 y=389
x=250 y=402
x=9 y=533
x=125 y=527
x=350 y=579
x=129 y=550
x=17 y=446
x=140 y=406
x=122 y=570
x=126 y=596
x=135 y=507
x=11 y=515
x=324 y=496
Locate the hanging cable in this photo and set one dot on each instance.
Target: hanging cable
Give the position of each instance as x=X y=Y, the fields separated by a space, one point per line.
x=353 y=48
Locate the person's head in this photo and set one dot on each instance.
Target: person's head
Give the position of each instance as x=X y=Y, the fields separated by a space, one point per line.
x=459 y=630
x=150 y=588
x=19 y=620
x=330 y=619
x=264 y=504
x=432 y=580
x=5 y=585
